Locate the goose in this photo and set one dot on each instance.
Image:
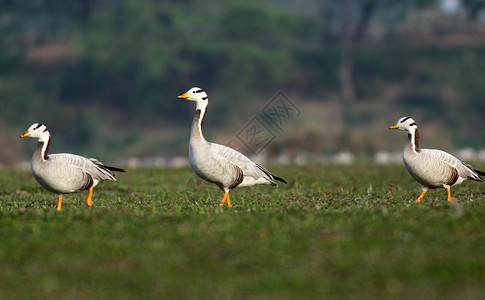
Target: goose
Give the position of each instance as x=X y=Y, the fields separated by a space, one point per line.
x=65 y=173
x=218 y=164
x=430 y=167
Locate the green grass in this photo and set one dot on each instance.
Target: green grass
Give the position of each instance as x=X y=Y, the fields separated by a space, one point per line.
x=334 y=231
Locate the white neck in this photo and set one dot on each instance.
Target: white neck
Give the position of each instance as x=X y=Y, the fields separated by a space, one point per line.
x=197 y=124
x=45 y=140
x=201 y=104
x=45 y=136
x=413 y=139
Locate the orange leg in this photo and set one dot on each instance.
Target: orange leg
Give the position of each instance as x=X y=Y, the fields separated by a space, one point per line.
x=59 y=202
x=228 y=201
x=90 y=196
x=421 y=196
x=448 y=192
x=224 y=199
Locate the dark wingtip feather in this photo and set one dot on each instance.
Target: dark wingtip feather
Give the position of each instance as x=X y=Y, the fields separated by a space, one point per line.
x=480 y=172
x=115 y=169
x=279 y=179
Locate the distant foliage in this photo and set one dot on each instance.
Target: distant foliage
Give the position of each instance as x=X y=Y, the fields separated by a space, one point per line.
x=97 y=68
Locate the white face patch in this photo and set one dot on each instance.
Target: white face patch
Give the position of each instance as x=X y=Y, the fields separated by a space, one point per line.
x=39 y=131
x=407 y=123
x=197 y=94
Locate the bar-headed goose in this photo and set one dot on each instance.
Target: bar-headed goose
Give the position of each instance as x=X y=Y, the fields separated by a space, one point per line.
x=221 y=165
x=65 y=173
x=432 y=168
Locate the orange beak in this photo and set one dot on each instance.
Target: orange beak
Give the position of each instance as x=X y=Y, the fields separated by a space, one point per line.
x=26 y=134
x=393 y=127
x=183 y=96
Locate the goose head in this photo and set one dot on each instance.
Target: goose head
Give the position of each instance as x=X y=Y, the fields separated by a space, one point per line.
x=38 y=131
x=197 y=95
x=406 y=124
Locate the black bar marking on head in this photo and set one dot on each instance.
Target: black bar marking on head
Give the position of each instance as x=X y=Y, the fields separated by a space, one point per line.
x=38 y=125
x=412 y=124
x=405 y=119
x=205 y=98
x=199 y=91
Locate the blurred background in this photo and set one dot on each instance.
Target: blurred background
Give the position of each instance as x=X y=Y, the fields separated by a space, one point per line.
x=104 y=75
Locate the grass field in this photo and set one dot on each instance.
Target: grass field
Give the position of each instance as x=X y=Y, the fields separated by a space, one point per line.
x=334 y=231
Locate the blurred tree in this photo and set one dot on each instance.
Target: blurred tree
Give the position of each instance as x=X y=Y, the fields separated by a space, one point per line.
x=473 y=8
x=126 y=60
x=27 y=23
x=136 y=49
x=258 y=43
x=355 y=17
x=141 y=50
x=351 y=39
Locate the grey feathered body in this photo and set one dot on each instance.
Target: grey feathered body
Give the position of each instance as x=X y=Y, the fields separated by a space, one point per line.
x=435 y=168
x=224 y=166
x=67 y=173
